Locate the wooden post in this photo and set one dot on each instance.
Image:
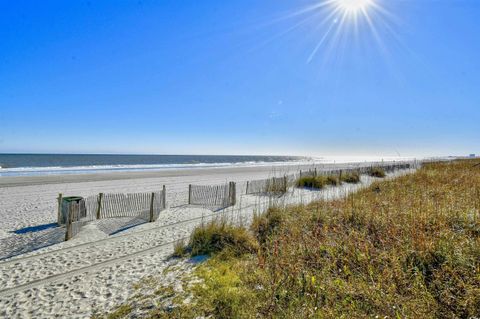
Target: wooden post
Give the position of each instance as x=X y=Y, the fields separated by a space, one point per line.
x=68 y=233
x=164 y=197
x=233 y=196
x=246 y=189
x=151 y=208
x=315 y=172
x=60 y=220
x=99 y=208
x=285 y=183
x=189 y=194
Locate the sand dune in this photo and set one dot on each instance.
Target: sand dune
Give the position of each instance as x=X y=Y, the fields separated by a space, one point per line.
x=95 y=271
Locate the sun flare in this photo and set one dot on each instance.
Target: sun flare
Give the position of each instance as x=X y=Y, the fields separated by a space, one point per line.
x=344 y=24
x=353 y=6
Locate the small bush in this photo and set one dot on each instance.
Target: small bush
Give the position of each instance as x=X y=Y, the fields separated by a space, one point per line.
x=351 y=178
x=318 y=182
x=377 y=172
x=333 y=180
x=265 y=225
x=216 y=236
x=180 y=249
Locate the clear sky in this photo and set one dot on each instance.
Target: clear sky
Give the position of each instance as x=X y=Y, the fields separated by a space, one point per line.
x=240 y=77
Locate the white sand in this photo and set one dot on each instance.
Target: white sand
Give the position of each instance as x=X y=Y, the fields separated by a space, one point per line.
x=95 y=271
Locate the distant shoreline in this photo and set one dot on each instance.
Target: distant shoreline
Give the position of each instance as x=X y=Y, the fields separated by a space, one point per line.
x=63 y=164
x=14 y=181
x=30 y=165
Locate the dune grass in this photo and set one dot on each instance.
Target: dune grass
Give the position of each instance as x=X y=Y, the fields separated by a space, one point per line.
x=351 y=178
x=319 y=182
x=217 y=236
x=377 y=172
x=408 y=247
x=402 y=248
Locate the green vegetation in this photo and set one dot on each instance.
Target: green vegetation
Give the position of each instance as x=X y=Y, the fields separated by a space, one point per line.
x=263 y=226
x=118 y=313
x=402 y=248
x=219 y=235
x=318 y=182
x=180 y=249
x=351 y=178
x=377 y=172
x=277 y=186
x=333 y=180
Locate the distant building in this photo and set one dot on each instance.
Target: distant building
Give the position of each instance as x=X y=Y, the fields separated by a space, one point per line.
x=472 y=155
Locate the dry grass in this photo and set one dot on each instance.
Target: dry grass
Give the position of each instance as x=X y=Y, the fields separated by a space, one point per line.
x=317 y=182
x=219 y=235
x=377 y=172
x=404 y=248
x=351 y=178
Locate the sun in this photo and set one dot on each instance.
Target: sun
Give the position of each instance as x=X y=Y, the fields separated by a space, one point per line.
x=343 y=24
x=353 y=6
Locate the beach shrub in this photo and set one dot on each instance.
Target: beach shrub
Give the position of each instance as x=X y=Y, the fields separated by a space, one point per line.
x=332 y=180
x=218 y=235
x=180 y=249
x=317 y=182
x=377 y=172
x=351 y=177
x=265 y=225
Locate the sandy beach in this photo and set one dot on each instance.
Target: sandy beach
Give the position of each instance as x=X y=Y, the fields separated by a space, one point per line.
x=98 y=268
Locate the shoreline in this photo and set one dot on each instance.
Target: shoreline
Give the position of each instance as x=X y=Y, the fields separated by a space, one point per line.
x=16 y=181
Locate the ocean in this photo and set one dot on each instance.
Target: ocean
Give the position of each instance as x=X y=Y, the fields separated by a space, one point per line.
x=51 y=164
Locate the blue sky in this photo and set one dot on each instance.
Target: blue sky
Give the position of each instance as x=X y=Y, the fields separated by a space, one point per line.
x=239 y=77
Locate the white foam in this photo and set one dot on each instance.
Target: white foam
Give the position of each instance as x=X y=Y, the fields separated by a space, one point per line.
x=52 y=170
x=58 y=170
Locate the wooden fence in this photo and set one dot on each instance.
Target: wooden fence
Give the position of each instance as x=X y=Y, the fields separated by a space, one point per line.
x=361 y=169
x=213 y=196
x=149 y=205
x=273 y=185
x=141 y=205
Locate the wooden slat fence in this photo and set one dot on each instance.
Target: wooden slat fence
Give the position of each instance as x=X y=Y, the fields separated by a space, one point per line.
x=149 y=205
x=361 y=169
x=212 y=196
x=141 y=205
x=273 y=185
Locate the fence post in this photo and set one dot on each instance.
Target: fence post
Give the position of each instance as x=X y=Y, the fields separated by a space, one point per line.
x=99 y=208
x=164 y=197
x=246 y=189
x=233 y=195
x=189 y=194
x=68 y=233
x=151 y=208
x=60 y=220
x=315 y=172
x=285 y=187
